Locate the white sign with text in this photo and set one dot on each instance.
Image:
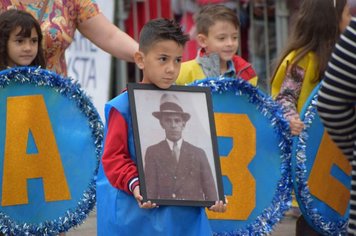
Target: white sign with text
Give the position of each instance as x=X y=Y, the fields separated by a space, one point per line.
x=90 y=65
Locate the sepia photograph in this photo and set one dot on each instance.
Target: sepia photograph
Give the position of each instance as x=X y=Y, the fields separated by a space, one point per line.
x=176 y=145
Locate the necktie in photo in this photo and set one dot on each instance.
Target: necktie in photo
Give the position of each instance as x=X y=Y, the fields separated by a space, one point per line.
x=175 y=151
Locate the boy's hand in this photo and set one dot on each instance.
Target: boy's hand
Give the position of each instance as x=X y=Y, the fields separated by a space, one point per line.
x=139 y=198
x=219 y=206
x=296 y=126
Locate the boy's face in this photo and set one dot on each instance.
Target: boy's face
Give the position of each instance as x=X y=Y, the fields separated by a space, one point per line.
x=161 y=63
x=222 y=39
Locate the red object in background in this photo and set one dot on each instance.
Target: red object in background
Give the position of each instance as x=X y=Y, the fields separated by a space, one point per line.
x=145 y=11
x=191 y=47
x=205 y=2
x=244 y=43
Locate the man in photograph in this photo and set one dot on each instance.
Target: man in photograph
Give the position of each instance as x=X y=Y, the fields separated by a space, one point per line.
x=174 y=168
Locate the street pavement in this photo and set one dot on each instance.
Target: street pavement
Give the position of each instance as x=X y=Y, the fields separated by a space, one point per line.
x=285 y=228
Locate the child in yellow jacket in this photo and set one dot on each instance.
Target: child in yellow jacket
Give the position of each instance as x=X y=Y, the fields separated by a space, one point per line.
x=217 y=29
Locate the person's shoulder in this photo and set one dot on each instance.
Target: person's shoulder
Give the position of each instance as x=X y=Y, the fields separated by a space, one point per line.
x=243 y=68
x=240 y=60
x=189 y=71
x=307 y=62
x=190 y=147
x=122 y=97
x=349 y=34
x=85 y=3
x=309 y=57
x=353 y=23
x=191 y=64
x=120 y=103
x=157 y=146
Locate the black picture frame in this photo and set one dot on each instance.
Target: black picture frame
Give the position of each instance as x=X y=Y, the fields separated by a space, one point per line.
x=174 y=183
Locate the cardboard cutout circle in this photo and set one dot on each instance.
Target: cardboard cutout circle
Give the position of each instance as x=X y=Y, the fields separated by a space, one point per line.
x=321 y=175
x=255 y=148
x=50 y=144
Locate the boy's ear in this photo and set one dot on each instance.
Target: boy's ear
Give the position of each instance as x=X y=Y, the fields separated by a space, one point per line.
x=139 y=59
x=202 y=40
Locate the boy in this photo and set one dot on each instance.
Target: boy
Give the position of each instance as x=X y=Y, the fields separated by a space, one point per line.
x=120 y=210
x=217 y=35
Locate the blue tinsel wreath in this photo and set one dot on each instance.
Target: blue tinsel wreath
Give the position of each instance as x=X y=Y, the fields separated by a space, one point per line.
x=265 y=105
x=323 y=225
x=73 y=91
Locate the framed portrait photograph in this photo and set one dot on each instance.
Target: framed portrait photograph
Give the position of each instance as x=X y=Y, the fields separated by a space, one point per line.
x=176 y=145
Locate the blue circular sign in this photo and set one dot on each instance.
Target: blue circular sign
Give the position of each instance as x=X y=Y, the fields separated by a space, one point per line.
x=321 y=175
x=50 y=143
x=255 y=150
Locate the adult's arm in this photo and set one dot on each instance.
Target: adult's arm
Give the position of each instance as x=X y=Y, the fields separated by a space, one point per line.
x=109 y=37
x=337 y=95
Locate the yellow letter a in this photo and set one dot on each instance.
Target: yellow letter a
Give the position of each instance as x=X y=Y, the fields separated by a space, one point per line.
x=24 y=114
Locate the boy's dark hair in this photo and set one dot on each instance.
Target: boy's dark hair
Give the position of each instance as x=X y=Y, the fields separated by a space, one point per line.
x=209 y=14
x=158 y=30
x=9 y=21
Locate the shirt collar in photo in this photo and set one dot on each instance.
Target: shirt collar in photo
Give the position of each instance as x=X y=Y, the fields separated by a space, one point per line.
x=179 y=143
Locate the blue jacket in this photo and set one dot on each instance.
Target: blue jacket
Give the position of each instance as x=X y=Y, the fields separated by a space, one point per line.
x=118 y=213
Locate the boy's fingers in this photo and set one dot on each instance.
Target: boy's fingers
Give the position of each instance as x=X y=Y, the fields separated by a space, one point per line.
x=219 y=206
x=147 y=205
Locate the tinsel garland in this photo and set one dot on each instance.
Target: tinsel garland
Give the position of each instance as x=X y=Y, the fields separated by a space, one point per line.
x=72 y=90
x=325 y=227
x=282 y=199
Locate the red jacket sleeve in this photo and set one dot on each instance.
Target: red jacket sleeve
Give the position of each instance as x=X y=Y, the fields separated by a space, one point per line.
x=119 y=168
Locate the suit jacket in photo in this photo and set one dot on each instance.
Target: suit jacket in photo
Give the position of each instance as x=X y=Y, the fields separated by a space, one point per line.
x=189 y=179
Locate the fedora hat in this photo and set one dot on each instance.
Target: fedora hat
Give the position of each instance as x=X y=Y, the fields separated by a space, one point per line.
x=169 y=104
